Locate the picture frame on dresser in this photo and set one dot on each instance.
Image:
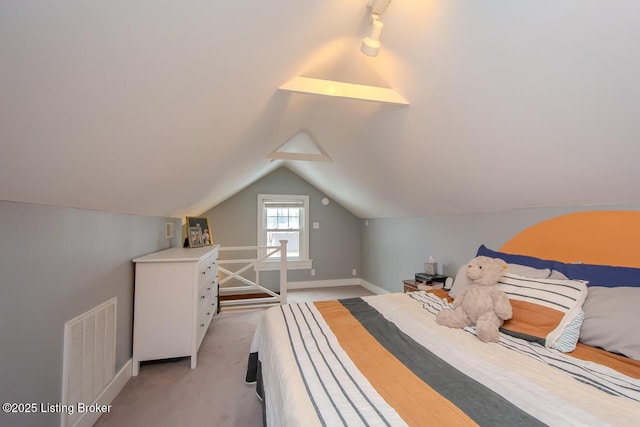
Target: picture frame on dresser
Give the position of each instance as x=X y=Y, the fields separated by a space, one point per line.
x=205 y=232
x=194 y=235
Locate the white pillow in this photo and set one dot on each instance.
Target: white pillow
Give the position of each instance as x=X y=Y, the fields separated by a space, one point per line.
x=462 y=282
x=526 y=271
x=555 y=274
x=547 y=311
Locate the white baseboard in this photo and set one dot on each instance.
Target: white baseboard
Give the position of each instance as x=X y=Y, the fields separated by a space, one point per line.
x=110 y=392
x=373 y=288
x=323 y=283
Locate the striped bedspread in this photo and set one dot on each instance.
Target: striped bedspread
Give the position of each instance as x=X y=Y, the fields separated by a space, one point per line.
x=384 y=361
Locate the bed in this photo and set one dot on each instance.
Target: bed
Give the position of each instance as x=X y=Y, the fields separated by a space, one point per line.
x=383 y=360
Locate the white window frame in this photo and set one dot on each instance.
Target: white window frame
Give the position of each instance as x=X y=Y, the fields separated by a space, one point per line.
x=301 y=262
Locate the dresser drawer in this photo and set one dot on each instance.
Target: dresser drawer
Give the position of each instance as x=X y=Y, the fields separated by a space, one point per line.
x=204 y=319
x=204 y=296
x=205 y=314
x=207 y=267
x=209 y=285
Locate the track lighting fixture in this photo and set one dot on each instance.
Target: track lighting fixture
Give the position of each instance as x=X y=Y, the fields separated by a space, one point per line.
x=371 y=44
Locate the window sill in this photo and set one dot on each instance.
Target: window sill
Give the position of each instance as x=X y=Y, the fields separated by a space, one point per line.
x=291 y=265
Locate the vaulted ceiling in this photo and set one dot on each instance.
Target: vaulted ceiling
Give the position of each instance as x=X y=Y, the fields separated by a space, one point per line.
x=168 y=108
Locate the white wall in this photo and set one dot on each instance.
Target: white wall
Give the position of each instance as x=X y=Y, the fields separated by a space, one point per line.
x=334 y=247
x=395 y=249
x=55 y=264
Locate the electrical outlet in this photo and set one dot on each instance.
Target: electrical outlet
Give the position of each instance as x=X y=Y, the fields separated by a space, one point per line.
x=313 y=271
x=353 y=272
x=316 y=225
x=169 y=230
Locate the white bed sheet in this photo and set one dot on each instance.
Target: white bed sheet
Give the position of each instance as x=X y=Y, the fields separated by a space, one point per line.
x=545 y=392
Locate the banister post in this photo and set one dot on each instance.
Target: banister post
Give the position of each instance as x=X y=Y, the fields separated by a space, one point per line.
x=283 y=271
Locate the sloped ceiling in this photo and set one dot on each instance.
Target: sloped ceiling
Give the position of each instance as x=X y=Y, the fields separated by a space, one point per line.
x=168 y=108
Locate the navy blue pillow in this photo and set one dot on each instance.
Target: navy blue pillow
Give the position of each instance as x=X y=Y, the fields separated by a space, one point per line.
x=597 y=275
x=515 y=259
x=601 y=275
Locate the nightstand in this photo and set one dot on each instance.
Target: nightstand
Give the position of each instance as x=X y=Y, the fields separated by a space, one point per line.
x=410 y=286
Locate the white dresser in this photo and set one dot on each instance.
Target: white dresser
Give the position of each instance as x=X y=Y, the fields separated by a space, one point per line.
x=176 y=296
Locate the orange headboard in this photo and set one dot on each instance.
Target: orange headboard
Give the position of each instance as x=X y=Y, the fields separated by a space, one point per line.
x=592 y=237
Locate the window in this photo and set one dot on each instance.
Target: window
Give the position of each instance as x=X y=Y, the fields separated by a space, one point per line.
x=284 y=217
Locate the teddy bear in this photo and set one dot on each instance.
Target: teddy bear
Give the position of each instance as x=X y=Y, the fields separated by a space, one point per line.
x=482 y=303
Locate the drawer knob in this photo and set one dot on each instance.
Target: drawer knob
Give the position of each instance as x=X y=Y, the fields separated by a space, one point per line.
x=208 y=313
x=208 y=289
x=202 y=324
x=204 y=272
x=202 y=297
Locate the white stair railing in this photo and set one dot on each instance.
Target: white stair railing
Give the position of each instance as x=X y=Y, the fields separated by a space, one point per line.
x=250 y=286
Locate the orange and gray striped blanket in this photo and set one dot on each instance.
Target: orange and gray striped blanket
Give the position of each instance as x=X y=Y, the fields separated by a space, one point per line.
x=383 y=360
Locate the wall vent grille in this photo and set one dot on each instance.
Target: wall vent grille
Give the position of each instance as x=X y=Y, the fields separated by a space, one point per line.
x=89 y=362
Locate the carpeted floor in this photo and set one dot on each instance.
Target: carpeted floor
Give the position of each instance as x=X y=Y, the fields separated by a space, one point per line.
x=168 y=393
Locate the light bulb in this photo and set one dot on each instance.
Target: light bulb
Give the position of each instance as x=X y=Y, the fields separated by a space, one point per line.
x=371 y=44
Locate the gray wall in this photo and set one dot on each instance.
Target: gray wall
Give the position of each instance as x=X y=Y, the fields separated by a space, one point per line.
x=55 y=264
x=334 y=247
x=395 y=249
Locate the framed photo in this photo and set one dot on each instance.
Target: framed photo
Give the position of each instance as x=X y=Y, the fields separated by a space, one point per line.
x=205 y=232
x=195 y=237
